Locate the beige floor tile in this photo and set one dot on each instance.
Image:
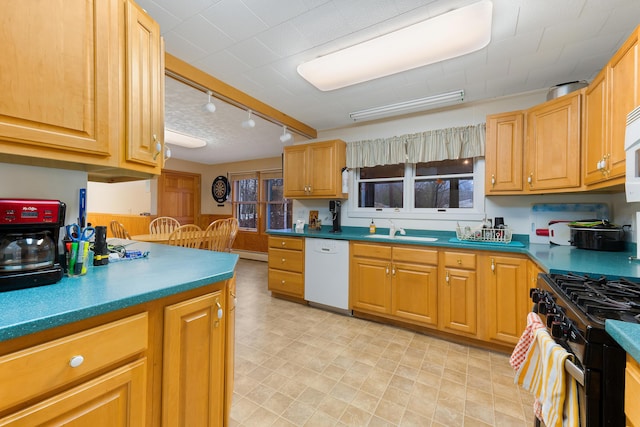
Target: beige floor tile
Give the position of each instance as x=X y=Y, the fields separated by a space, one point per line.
x=302 y=366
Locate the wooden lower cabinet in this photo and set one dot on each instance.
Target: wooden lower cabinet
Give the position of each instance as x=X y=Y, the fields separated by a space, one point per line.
x=111 y=400
x=286 y=266
x=506 y=289
x=164 y=362
x=398 y=281
x=631 y=392
x=458 y=293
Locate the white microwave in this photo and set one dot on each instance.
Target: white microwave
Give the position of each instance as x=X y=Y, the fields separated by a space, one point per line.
x=632 y=151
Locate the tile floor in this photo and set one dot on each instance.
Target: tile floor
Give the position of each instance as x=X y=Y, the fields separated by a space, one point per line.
x=302 y=366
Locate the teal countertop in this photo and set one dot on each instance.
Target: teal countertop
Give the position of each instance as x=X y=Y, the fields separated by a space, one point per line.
x=551 y=258
x=627 y=335
x=167 y=270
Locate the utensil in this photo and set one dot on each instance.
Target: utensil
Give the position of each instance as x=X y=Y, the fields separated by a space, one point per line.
x=78 y=234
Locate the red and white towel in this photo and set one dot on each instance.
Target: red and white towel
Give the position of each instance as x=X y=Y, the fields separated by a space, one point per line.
x=517 y=357
x=542 y=372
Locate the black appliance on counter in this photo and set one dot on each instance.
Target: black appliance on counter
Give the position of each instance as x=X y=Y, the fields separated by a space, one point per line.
x=575 y=308
x=29 y=239
x=334 y=208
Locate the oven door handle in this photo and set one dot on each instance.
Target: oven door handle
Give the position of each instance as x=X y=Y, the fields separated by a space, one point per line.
x=574 y=371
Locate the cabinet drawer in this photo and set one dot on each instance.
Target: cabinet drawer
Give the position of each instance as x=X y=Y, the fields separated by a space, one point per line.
x=286 y=242
x=27 y=373
x=286 y=282
x=371 y=251
x=459 y=260
x=415 y=254
x=632 y=391
x=286 y=260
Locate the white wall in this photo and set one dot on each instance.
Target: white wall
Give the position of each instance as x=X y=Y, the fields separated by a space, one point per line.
x=19 y=181
x=130 y=198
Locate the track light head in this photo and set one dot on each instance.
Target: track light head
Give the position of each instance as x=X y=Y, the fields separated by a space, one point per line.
x=209 y=106
x=286 y=136
x=249 y=123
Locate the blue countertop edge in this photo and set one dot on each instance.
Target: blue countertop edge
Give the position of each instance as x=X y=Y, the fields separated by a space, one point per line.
x=168 y=270
x=627 y=335
x=551 y=258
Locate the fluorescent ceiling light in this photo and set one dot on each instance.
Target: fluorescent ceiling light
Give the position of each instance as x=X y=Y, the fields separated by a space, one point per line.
x=446 y=36
x=182 y=139
x=413 y=105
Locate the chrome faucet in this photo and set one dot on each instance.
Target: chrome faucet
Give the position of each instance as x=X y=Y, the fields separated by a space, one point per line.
x=393 y=229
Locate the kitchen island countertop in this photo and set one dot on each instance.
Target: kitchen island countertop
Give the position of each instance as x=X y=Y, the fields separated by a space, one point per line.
x=166 y=271
x=627 y=335
x=551 y=258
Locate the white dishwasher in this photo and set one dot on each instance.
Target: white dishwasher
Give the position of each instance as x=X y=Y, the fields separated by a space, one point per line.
x=326 y=273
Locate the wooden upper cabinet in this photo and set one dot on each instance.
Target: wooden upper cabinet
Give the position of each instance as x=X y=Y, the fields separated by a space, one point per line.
x=504 y=153
x=553 y=141
x=144 y=88
x=594 y=136
x=314 y=170
x=59 y=79
x=623 y=96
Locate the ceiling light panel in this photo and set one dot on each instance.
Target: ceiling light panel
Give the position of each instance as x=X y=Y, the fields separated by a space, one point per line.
x=182 y=139
x=410 y=106
x=446 y=36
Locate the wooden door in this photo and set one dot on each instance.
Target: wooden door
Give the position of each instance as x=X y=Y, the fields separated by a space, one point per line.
x=458 y=301
x=595 y=135
x=553 y=144
x=623 y=97
x=144 y=89
x=115 y=399
x=59 y=79
x=193 y=365
x=507 y=297
x=371 y=285
x=504 y=153
x=179 y=196
x=414 y=292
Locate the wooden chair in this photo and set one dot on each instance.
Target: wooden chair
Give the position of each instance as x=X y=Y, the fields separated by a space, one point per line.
x=118 y=230
x=217 y=235
x=188 y=236
x=233 y=222
x=163 y=225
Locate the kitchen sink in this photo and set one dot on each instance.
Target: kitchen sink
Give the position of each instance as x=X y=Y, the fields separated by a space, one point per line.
x=401 y=237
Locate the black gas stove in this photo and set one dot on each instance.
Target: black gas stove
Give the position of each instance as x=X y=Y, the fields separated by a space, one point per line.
x=575 y=308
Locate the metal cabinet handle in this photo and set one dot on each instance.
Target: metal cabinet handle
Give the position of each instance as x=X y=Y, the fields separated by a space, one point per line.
x=76 y=361
x=283 y=243
x=446 y=278
x=493 y=180
x=530 y=179
x=284 y=260
x=220 y=310
x=493 y=265
x=393 y=270
x=387 y=269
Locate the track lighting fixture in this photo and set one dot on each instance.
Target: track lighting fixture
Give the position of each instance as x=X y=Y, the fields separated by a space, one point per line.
x=249 y=123
x=209 y=106
x=285 y=135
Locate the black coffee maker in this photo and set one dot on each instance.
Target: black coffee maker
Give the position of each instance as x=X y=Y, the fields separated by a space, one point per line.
x=334 y=208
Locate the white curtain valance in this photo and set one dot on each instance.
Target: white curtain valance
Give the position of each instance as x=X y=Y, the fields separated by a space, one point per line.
x=434 y=145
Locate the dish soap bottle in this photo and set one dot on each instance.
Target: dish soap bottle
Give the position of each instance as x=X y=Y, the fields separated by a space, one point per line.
x=372 y=227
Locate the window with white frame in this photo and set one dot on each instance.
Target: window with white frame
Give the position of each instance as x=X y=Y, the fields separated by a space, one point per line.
x=441 y=186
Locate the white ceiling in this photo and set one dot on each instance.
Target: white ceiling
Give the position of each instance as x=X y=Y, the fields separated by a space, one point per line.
x=256 y=45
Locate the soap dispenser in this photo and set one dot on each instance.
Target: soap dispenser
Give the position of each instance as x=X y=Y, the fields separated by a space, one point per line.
x=372 y=227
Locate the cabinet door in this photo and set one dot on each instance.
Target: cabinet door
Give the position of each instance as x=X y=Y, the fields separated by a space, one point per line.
x=458 y=301
x=371 y=285
x=594 y=135
x=504 y=153
x=144 y=88
x=295 y=165
x=507 y=296
x=230 y=347
x=414 y=292
x=116 y=399
x=623 y=97
x=58 y=79
x=193 y=365
x=322 y=173
x=553 y=144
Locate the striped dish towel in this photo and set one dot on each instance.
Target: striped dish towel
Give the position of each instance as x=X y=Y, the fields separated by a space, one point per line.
x=543 y=373
x=519 y=352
